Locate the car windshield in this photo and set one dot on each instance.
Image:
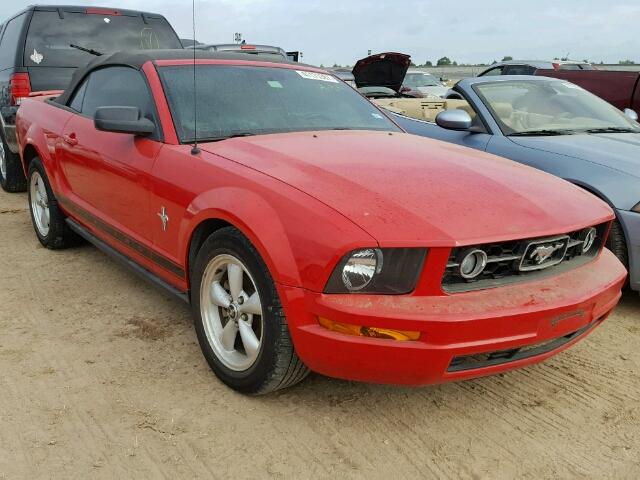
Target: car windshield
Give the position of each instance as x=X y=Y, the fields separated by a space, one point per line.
x=550 y=108
x=417 y=80
x=247 y=100
x=50 y=37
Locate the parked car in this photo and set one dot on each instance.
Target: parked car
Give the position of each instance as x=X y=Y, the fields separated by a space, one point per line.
x=557 y=127
x=528 y=67
x=345 y=75
x=620 y=89
x=42 y=46
x=312 y=233
x=262 y=51
x=382 y=75
x=425 y=83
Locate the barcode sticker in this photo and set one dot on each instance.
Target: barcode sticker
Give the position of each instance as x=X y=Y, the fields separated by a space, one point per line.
x=322 y=77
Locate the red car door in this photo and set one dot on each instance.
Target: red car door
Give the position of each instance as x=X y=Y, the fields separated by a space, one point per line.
x=107 y=173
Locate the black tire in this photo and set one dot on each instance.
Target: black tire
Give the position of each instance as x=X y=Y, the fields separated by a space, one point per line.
x=59 y=235
x=277 y=366
x=617 y=243
x=13 y=180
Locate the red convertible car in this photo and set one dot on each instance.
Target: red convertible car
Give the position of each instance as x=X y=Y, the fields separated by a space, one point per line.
x=307 y=231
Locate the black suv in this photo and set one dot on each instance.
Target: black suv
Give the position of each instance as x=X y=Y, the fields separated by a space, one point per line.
x=42 y=46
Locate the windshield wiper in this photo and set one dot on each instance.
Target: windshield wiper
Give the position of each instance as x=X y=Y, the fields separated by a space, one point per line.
x=88 y=50
x=220 y=139
x=611 y=130
x=542 y=133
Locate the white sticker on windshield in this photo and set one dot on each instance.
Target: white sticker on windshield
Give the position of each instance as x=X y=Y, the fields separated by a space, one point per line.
x=322 y=77
x=107 y=20
x=36 y=57
x=377 y=115
x=274 y=84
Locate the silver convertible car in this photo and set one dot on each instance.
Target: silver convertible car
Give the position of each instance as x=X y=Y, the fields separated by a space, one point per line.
x=552 y=125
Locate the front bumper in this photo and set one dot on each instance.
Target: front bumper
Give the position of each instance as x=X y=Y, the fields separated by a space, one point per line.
x=631 y=224
x=455 y=329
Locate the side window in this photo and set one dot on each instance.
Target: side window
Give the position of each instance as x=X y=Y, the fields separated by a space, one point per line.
x=10 y=41
x=78 y=97
x=493 y=72
x=117 y=87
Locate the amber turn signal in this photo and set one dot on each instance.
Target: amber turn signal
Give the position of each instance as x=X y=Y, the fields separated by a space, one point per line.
x=371 y=332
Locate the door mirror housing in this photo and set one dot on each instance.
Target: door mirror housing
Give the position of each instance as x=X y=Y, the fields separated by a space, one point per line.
x=126 y=120
x=631 y=114
x=454 y=120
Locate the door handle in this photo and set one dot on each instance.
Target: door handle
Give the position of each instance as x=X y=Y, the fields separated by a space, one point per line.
x=70 y=139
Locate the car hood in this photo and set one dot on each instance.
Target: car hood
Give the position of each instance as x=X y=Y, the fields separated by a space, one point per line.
x=619 y=151
x=412 y=191
x=382 y=70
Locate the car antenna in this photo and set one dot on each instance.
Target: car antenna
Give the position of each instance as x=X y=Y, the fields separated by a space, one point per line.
x=195 y=150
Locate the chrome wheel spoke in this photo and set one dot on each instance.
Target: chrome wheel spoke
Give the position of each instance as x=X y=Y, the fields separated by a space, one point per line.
x=43 y=218
x=235 y=280
x=219 y=296
x=229 y=334
x=249 y=339
x=252 y=305
x=41 y=190
x=232 y=317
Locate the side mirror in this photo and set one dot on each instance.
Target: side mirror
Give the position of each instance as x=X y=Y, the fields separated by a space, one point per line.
x=454 y=120
x=123 y=120
x=631 y=114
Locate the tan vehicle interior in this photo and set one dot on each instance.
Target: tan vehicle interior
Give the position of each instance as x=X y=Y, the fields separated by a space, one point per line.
x=423 y=108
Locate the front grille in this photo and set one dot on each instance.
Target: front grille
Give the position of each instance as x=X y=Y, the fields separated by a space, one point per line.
x=490 y=359
x=516 y=261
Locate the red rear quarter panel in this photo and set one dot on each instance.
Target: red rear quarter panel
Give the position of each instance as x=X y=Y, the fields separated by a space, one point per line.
x=38 y=126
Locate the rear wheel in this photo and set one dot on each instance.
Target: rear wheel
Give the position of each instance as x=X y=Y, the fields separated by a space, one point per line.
x=11 y=175
x=48 y=220
x=239 y=320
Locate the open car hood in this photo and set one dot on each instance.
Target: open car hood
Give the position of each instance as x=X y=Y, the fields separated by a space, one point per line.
x=382 y=70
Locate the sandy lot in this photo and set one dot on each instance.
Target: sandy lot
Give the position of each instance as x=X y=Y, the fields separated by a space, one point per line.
x=101 y=377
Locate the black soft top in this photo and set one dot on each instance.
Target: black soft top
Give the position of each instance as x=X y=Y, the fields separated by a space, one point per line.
x=137 y=58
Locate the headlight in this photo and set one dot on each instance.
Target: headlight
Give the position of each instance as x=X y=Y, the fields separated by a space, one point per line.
x=393 y=271
x=636 y=208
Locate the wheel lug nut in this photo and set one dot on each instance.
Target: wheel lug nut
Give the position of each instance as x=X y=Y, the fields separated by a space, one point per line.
x=244 y=317
x=240 y=301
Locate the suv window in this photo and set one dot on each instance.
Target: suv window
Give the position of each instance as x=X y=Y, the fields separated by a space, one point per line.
x=114 y=87
x=10 y=41
x=49 y=37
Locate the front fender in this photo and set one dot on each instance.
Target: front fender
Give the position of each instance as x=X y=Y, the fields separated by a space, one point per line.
x=299 y=238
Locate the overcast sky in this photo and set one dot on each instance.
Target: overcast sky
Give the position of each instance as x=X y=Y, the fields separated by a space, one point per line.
x=341 y=31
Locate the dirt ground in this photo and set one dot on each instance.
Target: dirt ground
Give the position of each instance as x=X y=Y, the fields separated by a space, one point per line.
x=101 y=377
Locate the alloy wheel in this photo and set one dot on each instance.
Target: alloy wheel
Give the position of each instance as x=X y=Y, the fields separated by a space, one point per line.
x=231 y=312
x=39 y=204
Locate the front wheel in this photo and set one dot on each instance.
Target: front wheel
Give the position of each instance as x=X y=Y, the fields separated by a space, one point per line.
x=617 y=243
x=239 y=321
